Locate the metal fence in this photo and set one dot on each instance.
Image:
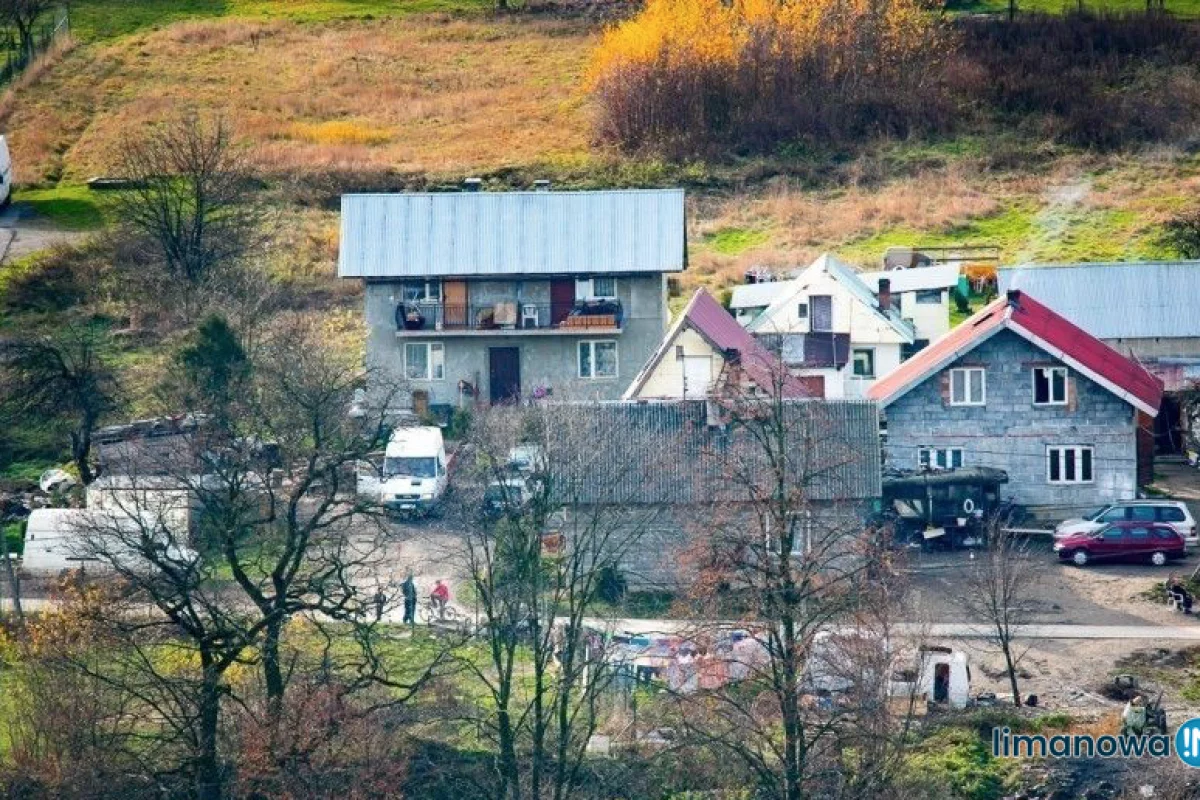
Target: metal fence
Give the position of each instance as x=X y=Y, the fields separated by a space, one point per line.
x=17 y=57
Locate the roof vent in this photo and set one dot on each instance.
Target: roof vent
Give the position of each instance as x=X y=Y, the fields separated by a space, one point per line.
x=472 y=184
x=541 y=185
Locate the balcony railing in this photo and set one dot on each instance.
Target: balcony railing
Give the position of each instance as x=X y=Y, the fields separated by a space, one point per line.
x=509 y=315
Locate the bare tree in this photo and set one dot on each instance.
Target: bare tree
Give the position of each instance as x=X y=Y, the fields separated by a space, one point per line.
x=276 y=533
x=61 y=380
x=785 y=552
x=536 y=547
x=998 y=595
x=24 y=15
x=192 y=203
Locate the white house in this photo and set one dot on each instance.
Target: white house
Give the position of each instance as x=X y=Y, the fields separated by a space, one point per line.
x=830 y=325
x=921 y=294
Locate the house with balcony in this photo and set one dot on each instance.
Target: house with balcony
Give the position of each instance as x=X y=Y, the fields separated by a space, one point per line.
x=497 y=296
x=831 y=329
x=1020 y=388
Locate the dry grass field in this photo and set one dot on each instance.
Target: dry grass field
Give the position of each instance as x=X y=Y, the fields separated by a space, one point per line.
x=432 y=97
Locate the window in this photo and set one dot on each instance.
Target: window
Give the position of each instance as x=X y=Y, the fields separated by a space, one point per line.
x=1049 y=386
x=929 y=296
x=1171 y=514
x=424 y=361
x=1139 y=533
x=1069 y=464
x=939 y=457
x=1142 y=513
x=822 y=313
x=907 y=350
x=864 y=362
x=802 y=311
x=597 y=359
x=1163 y=533
x=968 y=387
x=598 y=288
x=422 y=291
x=1113 y=534
x=1113 y=514
x=799 y=528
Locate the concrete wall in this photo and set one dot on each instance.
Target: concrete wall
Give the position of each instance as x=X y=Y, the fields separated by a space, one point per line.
x=1012 y=434
x=547 y=359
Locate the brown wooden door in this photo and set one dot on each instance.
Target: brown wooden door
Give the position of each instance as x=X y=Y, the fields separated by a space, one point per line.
x=504 y=374
x=562 y=299
x=454 y=304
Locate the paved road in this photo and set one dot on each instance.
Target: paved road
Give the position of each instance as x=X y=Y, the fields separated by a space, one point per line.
x=1175 y=633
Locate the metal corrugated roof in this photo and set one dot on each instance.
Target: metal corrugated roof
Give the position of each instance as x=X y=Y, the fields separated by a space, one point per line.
x=939 y=276
x=1124 y=300
x=758 y=295
x=503 y=233
x=667 y=453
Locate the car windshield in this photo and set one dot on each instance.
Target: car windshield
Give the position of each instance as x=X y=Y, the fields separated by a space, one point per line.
x=1095 y=512
x=409 y=467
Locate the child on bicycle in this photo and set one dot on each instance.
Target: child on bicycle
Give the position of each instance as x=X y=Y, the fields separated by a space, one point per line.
x=440 y=597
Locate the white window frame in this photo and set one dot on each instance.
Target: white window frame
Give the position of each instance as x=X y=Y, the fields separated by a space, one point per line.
x=930 y=456
x=1056 y=452
x=802 y=544
x=802 y=311
x=966 y=372
x=590 y=344
x=1050 y=385
x=426 y=287
x=585 y=288
x=853 y=364
x=435 y=365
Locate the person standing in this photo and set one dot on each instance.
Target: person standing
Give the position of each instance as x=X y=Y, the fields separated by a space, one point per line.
x=409 y=588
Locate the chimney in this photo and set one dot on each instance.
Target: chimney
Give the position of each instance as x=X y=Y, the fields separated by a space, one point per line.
x=885 y=294
x=472 y=184
x=541 y=185
x=1014 y=298
x=750 y=276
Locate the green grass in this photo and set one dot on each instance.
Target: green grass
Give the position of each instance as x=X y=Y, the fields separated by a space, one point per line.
x=733 y=241
x=93 y=20
x=1185 y=8
x=75 y=208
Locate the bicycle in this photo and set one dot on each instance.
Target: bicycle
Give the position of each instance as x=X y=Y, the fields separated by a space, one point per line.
x=431 y=613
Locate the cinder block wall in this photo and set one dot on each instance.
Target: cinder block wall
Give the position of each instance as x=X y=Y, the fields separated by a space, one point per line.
x=1012 y=434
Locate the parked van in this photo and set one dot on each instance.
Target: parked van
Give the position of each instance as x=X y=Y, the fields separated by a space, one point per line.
x=6 y=175
x=414 y=474
x=58 y=539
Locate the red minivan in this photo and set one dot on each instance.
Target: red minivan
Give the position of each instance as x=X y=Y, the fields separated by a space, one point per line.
x=1123 y=541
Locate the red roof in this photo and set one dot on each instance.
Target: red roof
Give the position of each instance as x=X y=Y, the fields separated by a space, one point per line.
x=1047 y=330
x=710 y=319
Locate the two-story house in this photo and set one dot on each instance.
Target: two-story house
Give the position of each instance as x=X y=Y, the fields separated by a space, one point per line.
x=492 y=297
x=1020 y=388
x=830 y=327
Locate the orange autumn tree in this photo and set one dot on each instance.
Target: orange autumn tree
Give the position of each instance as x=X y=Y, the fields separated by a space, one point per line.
x=699 y=75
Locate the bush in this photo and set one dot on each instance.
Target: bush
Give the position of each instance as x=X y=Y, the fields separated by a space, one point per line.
x=1181 y=233
x=691 y=75
x=960 y=761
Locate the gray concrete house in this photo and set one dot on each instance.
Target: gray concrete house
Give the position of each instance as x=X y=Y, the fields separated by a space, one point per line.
x=1019 y=388
x=1145 y=310
x=496 y=296
x=673 y=480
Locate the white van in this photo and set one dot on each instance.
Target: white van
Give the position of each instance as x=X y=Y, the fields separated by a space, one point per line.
x=58 y=538
x=6 y=175
x=414 y=474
